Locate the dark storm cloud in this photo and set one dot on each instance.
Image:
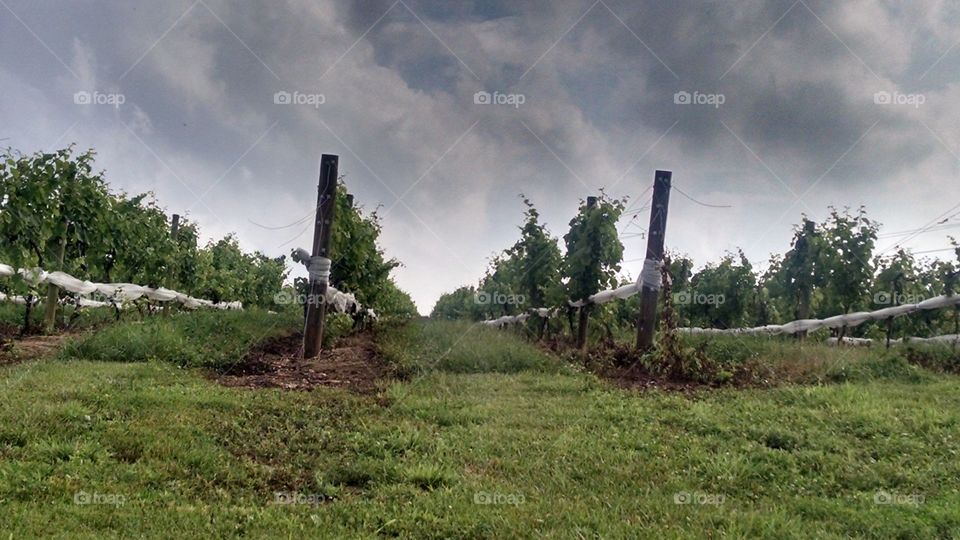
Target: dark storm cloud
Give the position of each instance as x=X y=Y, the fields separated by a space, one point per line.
x=399 y=78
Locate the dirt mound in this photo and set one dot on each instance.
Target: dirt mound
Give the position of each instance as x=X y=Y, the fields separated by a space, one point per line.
x=635 y=377
x=30 y=348
x=353 y=363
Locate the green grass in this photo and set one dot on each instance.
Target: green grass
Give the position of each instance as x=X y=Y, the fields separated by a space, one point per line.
x=780 y=360
x=461 y=347
x=11 y=318
x=559 y=453
x=201 y=338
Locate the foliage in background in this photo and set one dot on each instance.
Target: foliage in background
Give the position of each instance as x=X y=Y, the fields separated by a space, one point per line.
x=829 y=269
x=594 y=250
x=53 y=199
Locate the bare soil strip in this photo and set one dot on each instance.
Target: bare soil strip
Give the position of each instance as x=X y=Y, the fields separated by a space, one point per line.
x=353 y=363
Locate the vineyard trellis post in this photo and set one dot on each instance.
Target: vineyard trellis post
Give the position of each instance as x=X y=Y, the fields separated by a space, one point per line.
x=647 y=318
x=585 y=308
x=171 y=278
x=316 y=300
x=53 y=292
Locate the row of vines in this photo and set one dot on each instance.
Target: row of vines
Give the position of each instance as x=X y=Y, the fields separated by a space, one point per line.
x=58 y=213
x=830 y=268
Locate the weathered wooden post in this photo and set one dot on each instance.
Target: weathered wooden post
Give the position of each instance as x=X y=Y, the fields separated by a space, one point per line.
x=585 y=308
x=320 y=257
x=650 y=285
x=53 y=292
x=895 y=301
x=170 y=280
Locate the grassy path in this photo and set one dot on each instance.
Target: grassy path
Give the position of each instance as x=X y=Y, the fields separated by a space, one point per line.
x=491 y=439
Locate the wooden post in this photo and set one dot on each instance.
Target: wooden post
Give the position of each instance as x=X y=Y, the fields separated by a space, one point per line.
x=316 y=300
x=53 y=293
x=170 y=279
x=956 y=325
x=897 y=293
x=647 y=319
x=585 y=309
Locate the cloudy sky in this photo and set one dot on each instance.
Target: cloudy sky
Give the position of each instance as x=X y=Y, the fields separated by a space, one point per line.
x=785 y=107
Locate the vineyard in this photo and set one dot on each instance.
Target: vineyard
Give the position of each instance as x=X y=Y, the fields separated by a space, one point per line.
x=824 y=288
x=59 y=220
x=157 y=385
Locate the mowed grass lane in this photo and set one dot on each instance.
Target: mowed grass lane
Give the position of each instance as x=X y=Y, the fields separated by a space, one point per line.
x=489 y=438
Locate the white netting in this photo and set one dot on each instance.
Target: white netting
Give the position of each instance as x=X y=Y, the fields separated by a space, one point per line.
x=853 y=342
x=86 y=302
x=507 y=319
x=33 y=276
x=319 y=269
x=621 y=293
x=939 y=302
x=114 y=293
x=949 y=339
x=69 y=283
x=890 y=312
x=545 y=313
x=848 y=320
x=161 y=294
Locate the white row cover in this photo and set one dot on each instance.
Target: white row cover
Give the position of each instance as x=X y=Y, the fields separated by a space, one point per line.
x=603 y=297
x=649 y=277
x=319 y=269
x=838 y=321
x=545 y=313
x=115 y=293
x=866 y=342
x=507 y=319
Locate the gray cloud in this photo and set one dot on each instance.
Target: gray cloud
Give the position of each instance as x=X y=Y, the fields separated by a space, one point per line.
x=200 y=117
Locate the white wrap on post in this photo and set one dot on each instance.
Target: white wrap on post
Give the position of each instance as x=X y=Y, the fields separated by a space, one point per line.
x=319 y=269
x=650 y=275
